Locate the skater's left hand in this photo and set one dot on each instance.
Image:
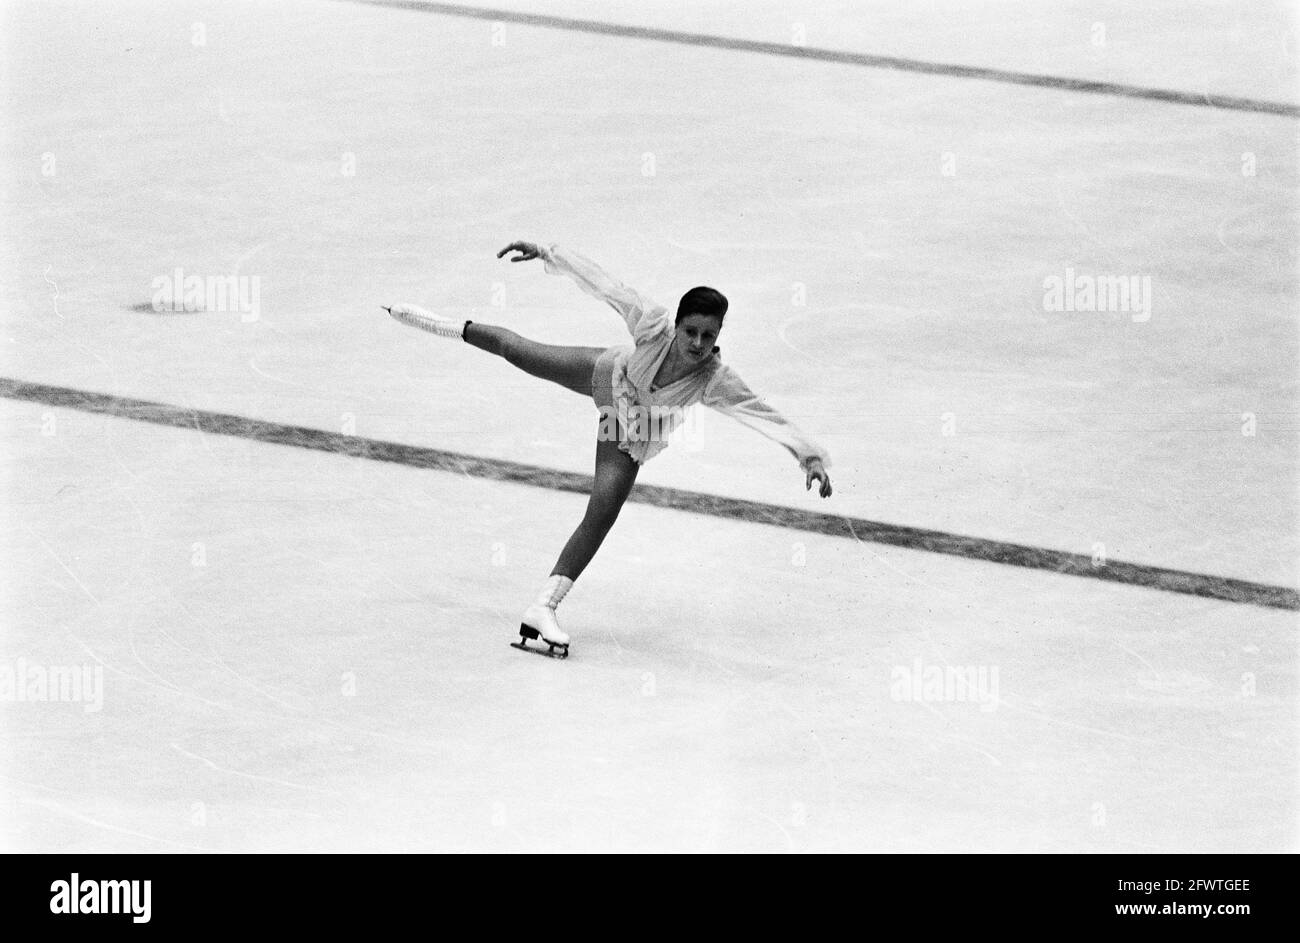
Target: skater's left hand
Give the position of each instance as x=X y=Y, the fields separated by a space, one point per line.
x=817 y=473
x=527 y=251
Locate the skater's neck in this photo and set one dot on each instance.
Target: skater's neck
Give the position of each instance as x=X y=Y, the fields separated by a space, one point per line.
x=675 y=367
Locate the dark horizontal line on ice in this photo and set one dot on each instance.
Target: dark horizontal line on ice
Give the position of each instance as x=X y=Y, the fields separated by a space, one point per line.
x=832 y=525
x=1061 y=83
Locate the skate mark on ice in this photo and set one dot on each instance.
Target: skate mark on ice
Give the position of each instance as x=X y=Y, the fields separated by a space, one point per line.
x=130 y=638
x=161 y=682
x=378 y=569
x=54 y=297
x=1204 y=99
x=254 y=776
x=956 y=738
x=282 y=811
x=1113 y=255
x=789 y=840
x=59 y=560
x=1227 y=589
x=784 y=326
x=70 y=756
x=1005 y=702
x=252 y=365
x=259 y=715
x=214 y=659
x=1221 y=234
x=706 y=248
x=1128 y=651
x=1139 y=844
x=322 y=391
x=908 y=577
x=832 y=781
x=58 y=809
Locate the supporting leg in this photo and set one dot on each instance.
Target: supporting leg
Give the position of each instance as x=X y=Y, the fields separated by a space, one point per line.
x=613 y=481
x=615 y=476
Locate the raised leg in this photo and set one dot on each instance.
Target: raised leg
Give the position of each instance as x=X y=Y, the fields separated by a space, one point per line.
x=615 y=476
x=568 y=366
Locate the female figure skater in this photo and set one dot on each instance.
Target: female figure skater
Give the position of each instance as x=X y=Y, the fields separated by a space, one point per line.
x=671 y=364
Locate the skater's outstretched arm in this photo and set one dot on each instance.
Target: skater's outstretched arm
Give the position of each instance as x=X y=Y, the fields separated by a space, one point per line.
x=727 y=393
x=642 y=316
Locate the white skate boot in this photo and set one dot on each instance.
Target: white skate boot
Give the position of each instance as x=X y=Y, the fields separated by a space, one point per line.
x=427 y=321
x=539 y=620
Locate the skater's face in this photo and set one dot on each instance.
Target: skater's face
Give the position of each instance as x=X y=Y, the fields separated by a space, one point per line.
x=696 y=334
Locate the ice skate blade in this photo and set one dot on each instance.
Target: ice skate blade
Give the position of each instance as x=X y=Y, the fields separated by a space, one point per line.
x=527 y=632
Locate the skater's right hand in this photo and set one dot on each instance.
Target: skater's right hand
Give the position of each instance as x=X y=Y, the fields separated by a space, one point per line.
x=527 y=251
x=815 y=472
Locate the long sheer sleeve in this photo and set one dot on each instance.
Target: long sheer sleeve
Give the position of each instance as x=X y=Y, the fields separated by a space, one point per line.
x=642 y=316
x=728 y=394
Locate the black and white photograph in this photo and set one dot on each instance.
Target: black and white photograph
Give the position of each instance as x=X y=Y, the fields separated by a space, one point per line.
x=565 y=427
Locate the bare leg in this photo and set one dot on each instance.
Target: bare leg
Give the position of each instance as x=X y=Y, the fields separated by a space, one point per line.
x=615 y=475
x=568 y=366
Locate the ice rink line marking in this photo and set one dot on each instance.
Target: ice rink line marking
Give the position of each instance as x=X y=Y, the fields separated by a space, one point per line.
x=951 y=70
x=751 y=512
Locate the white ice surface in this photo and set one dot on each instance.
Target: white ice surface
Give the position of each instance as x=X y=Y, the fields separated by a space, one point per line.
x=719 y=696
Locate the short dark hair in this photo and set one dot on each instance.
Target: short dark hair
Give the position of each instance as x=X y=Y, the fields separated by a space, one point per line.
x=702 y=300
